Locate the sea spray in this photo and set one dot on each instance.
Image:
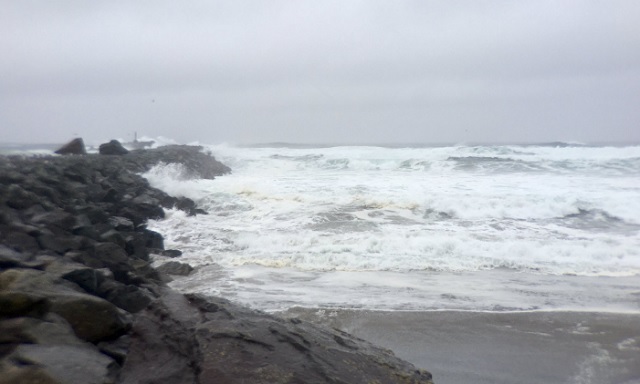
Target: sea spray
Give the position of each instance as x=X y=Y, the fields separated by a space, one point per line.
x=314 y=215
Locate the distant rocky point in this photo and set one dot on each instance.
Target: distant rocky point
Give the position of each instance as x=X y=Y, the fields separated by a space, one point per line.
x=196 y=163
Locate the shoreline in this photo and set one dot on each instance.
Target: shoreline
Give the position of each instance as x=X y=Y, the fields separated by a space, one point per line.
x=500 y=347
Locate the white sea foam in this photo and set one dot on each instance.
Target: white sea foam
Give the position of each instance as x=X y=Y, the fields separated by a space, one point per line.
x=536 y=210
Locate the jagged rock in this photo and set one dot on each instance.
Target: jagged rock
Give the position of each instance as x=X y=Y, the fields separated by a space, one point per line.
x=74 y=147
x=175 y=268
x=112 y=148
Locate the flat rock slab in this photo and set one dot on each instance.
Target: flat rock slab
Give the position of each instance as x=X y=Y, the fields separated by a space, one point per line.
x=34 y=363
x=240 y=345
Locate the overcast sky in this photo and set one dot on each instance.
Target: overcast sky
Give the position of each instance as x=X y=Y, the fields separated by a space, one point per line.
x=345 y=71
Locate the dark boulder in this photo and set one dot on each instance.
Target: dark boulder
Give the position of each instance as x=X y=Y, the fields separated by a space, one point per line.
x=175 y=268
x=131 y=298
x=113 y=148
x=153 y=239
x=60 y=244
x=171 y=253
x=51 y=330
x=10 y=258
x=121 y=223
x=18 y=198
x=93 y=319
x=21 y=242
x=115 y=237
x=74 y=147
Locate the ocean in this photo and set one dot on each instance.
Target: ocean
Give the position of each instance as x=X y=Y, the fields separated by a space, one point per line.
x=496 y=228
x=485 y=264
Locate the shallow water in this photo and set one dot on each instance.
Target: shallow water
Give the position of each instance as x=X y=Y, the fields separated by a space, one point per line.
x=501 y=348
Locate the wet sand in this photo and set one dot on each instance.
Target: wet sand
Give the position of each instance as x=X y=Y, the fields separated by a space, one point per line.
x=496 y=348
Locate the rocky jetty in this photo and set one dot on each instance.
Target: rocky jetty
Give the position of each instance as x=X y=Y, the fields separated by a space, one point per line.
x=80 y=302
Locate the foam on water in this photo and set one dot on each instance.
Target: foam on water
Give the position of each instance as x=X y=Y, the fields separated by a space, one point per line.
x=408 y=212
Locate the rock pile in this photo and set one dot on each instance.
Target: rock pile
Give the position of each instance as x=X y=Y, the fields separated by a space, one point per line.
x=80 y=303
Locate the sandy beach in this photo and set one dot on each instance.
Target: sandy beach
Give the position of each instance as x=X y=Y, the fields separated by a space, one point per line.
x=510 y=348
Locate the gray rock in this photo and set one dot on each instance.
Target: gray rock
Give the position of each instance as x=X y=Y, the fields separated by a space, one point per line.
x=171 y=253
x=175 y=268
x=130 y=297
x=59 y=244
x=18 y=198
x=52 y=330
x=74 y=147
x=21 y=304
x=136 y=246
x=57 y=218
x=116 y=349
x=121 y=223
x=21 y=242
x=85 y=277
x=115 y=237
x=163 y=348
x=93 y=319
x=58 y=364
x=113 y=148
x=153 y=239
x=12 y=259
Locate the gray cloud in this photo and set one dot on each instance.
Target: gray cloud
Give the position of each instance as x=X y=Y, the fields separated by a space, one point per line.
x=330 y=71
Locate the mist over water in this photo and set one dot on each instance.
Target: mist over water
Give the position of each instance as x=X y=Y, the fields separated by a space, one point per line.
x=452 y=227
